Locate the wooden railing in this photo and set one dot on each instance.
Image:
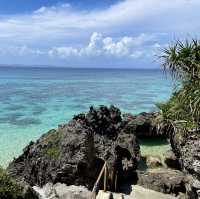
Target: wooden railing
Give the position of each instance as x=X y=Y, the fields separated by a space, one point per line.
x=104 y=171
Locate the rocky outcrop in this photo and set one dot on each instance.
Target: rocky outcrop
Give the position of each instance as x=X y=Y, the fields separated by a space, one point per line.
x=75 y=152
x=186 y=146
x=163 y=180
x=143 y=125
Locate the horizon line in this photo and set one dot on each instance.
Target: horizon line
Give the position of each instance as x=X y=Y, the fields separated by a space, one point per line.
x=74 y=67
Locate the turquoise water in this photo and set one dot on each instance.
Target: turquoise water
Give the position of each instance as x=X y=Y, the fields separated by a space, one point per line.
x=154 y=147
x=34 y=100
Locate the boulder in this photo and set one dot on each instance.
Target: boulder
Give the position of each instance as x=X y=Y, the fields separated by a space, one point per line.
x=136 y=192
x=62 y=191
x=139 y=192
x=75 y=152
x=171 y=160
x=29 y=193
x=163 y=180
x=153 y=161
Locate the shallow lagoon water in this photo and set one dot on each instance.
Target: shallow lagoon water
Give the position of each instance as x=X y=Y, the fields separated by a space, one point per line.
x=34 y=100
x=154 y=147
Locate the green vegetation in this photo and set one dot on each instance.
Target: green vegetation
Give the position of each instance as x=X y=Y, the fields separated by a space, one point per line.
x=51 y=135
x=182 y=60
x=52 y=151
x=51 y=141
x=9 y=189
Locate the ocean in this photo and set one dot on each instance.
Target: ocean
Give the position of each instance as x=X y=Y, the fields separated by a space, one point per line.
x=34 y=100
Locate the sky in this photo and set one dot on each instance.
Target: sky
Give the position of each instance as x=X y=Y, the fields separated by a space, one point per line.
x=91 y=33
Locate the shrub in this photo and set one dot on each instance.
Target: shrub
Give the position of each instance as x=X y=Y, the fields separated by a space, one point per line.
x=182 y=60
x=9 y=189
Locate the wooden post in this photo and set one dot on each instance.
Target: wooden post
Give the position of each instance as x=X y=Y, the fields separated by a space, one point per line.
x=116 y=175
x=97 y=182
x=105 y=178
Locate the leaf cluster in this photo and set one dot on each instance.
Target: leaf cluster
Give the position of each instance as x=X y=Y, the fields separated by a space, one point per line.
x=9 y=189
x=182 y=61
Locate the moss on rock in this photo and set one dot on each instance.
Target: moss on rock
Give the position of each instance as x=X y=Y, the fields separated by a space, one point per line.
x=52 y=149
x=52 y=152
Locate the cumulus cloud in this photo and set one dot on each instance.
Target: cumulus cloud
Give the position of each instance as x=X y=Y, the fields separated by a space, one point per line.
x=129 y=28
x=98 y=45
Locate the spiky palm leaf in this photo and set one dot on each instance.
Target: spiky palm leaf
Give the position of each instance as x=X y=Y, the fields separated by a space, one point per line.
x=182 y=60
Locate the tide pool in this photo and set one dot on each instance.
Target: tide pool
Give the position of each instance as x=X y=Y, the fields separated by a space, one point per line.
x=34 y=100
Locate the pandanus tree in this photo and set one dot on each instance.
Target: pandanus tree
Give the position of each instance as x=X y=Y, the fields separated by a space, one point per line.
x=182 y=61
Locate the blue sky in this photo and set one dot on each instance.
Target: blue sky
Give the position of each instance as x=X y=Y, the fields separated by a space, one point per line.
x=88 y=33
x=24 y=6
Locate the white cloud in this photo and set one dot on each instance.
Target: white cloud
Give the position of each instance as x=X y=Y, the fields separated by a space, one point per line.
x=126 y=46
x=98 y=45
x=130 y=29
x=20 y=51
x=106 y=46
x=95 y=45
x=52 y=9
x=62 y=21
x=63 y=52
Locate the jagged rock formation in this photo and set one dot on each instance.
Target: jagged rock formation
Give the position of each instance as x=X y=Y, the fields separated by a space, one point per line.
x=143 y=125
x=75 y=152
x=186 y=147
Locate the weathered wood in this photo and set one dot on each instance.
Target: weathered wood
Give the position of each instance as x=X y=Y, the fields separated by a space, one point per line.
x=105 y=178
x=94 y=190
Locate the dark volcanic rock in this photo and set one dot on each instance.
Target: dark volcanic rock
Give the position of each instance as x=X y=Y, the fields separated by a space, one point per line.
x=30 y=193
x=171 y=160
x=186 y=147
x=142 y=125
x=76 y=151
x=163 y=180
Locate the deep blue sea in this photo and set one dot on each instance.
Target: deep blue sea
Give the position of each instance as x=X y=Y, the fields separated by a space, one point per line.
x=34 y=100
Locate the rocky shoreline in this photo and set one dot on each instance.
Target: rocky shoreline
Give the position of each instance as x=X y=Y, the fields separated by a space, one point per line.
x=74 y=154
